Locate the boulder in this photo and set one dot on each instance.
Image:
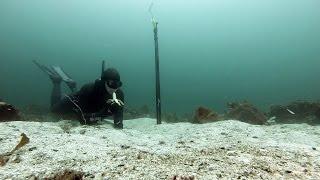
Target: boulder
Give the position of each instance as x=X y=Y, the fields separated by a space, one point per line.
x=203 y=115
x=245 y=112
x=8 y=112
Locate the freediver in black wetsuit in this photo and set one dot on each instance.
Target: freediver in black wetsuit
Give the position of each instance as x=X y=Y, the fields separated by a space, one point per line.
x=93 y=102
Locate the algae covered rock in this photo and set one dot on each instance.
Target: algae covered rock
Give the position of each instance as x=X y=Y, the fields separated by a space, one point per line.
x=203 y=115
x=246 y=112
x=296 y=112
x=8 y=112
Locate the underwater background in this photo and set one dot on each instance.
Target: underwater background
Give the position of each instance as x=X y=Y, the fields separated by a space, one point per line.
x=211 y=52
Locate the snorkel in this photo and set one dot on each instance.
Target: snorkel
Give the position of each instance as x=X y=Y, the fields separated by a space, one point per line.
x=102 y=67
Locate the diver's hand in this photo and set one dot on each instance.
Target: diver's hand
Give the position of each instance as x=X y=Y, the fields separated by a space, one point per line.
x=115 y=100
x=92 y=118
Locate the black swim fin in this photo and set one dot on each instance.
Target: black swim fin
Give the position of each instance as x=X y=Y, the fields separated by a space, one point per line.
x=49 y=71
x=56 y=74
x=67 y=79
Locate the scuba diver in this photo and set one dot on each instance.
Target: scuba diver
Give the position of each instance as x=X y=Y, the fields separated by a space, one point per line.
x=93 y=102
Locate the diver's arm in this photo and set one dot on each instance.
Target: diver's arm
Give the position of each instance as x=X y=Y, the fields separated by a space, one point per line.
x=111 y=109
x=118 y=118
x=117 y=111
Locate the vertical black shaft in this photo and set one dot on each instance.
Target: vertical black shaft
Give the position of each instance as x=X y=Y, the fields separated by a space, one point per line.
x=158 y=99
x=102 y=67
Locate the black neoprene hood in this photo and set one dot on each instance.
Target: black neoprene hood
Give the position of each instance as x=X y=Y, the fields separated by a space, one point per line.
x=110 y=74
x=112 y=77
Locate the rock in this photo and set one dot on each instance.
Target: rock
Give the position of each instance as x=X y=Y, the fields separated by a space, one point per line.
x=82 y=131
x=32 y=177
x=125 y=147
x=98 y=176
x=176 y=177
x=232 y=153
x=4 y=159
x=8 y=112
x=246 y=112
x=288 y=171
x=15 y=159
x=67 y=175
x=203 y=115
x=32 y=148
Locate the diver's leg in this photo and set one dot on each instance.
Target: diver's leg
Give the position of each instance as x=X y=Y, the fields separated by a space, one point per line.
x=62 y=106
x=56 y=93
x=56 y=72
x=65 y=77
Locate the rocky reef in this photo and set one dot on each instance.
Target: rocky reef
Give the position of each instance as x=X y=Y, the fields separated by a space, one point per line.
x=296 y=112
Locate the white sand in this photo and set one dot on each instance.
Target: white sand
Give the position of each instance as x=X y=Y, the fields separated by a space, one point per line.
x=143 y=150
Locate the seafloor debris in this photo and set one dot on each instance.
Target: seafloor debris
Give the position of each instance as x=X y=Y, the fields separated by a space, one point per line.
x=23 y=141
x=298 y=111
x=203 y=115
x=8 y=112
x=4 y=158
x=246 y=112
x=67 y=175
x=175 y=177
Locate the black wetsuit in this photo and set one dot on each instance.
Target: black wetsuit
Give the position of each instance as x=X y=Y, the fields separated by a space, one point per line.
x=90 y=101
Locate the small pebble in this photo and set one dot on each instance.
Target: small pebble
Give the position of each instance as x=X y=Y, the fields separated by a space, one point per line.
x=288 y=171
x=232 y=153
x=313 y=148
x=15 y=159
x=32 y=148
x=125 y=147
x=82 y=131
x=120 y=165
x=33 y=177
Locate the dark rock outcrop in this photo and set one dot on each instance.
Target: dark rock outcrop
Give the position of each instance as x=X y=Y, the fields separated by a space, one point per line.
x=245 y=112
x=296 y=112
x=203 y=115
x=8 y=112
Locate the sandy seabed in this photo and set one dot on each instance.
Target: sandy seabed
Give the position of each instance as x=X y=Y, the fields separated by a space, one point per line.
x=143 y=150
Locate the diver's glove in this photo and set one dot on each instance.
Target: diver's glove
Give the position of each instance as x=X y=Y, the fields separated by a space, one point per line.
x=91 y=118
x=114 y=100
